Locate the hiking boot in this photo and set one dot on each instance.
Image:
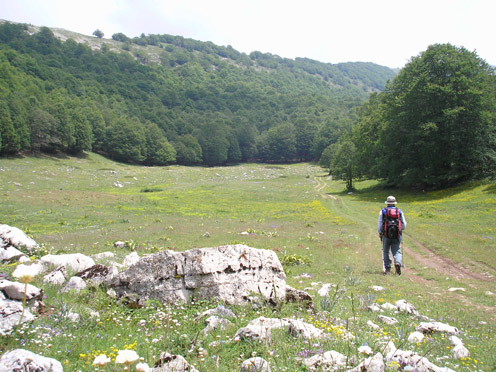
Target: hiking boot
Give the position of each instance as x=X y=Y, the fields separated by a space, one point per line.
x=387 y=270
x=398 y=268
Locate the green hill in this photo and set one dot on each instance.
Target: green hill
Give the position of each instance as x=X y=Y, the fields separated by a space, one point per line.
x=162 y=99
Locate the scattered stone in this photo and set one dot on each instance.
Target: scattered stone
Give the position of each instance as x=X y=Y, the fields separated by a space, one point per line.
x=324 y=291
x=260 y=328
x=56 y=277
x=214 y=322
x=377 y=288
x=415 y=337
x=388 y=320
x=10 y=314
x=98 y=274
x=328 y=361
x=220 y=311
x=308 y=331
x=456 y=289
x=24 y=360
x=15 y=291
x=410 y=358
x=430 y=327
x=172 y=363
x=119 y=244
x=10 y=254
x=74 y=284
x=206 y=234
x=256 y=364
x=406 y=307
x=489 y=293
x=75 y=262
x=14 y=237
x=388 y=306
x=459 y=350
x=298 y=296
x=372 y=364
x=103 y=255
x=375 y=308
x=131 y=259
x=372 y=325
x=230 y=273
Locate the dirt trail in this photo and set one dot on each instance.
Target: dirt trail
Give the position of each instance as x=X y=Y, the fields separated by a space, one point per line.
x=443 y=265
x=423 y=257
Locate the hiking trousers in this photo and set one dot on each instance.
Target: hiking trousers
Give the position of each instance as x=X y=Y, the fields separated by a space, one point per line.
x=394 y=246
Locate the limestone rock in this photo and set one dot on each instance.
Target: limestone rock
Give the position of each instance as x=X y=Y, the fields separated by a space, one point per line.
x=429 y=327
x=10 y=313
x=406 y=307
x=130 y=259
x=256 y=364
x=228 y=273
x=328 y=361
x=298 y=296
x=15 y=290
x=98 y=274
x=75 y=262
x=388 y=320
x=214 y=322
x=74 y=284
x=26 y=361
x=103 y=255
x=410 y=358
x=308 y=331
x=10 y=254
x=172 y=363
x=260 y=328
x=12 y=236
x=56 y=277
x=372 y=364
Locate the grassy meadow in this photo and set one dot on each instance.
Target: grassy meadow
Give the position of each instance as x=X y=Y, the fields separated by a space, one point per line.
x=84 y=205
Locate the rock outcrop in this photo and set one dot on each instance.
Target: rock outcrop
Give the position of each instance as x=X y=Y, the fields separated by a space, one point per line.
x=230 y=273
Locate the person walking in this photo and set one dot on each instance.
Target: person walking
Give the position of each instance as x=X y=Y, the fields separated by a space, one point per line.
x=390 y=227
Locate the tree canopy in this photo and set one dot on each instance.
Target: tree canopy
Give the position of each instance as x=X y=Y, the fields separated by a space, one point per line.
x=434 y=125
x=152 y=99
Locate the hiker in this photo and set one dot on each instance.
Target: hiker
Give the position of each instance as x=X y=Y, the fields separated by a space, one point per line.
x=390 y=227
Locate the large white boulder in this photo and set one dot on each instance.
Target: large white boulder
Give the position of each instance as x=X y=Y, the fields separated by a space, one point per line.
x=24 y=360
x=12 y=236
x=15 y=290
x=230 y=273
x=74 y=262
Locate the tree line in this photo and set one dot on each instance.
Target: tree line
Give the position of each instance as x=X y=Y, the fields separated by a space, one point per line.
x=433 y=126
x=199 y=104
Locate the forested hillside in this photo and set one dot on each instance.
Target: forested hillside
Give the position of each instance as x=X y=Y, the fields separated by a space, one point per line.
x=162 y=99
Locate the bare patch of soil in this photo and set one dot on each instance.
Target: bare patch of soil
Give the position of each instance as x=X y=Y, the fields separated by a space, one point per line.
x=444 y=265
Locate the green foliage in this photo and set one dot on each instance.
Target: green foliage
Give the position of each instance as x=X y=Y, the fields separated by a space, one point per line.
x=55 y=91
x=435 y=124
x=98 y=33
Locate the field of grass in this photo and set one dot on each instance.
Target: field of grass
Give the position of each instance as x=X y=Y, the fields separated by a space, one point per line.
x=77 y=205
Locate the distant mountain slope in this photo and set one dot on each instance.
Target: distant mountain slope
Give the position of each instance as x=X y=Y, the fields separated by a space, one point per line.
x=64 y=91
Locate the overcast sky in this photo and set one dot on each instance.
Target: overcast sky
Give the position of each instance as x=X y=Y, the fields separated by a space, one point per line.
x=386 y=32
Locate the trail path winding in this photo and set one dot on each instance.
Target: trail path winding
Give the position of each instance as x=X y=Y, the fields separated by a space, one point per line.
x=421 y=255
